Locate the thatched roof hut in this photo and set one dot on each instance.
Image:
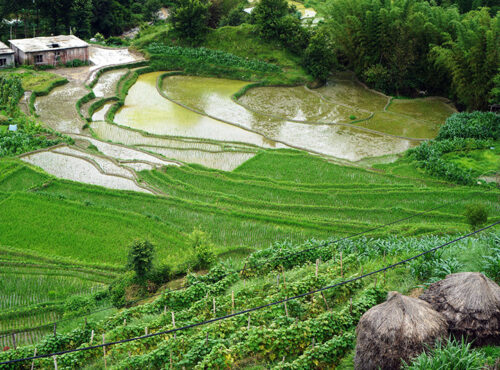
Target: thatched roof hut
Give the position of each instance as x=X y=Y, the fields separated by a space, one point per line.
x=471 y=304
x=398 y=329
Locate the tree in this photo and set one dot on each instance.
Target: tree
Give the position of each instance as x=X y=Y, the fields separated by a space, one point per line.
x=319 y=58
x=151 y=8
x=189 y=19
x=472 y=58
x=140 y=258
x=267 y=15
x=476 y=215
x=82 y=17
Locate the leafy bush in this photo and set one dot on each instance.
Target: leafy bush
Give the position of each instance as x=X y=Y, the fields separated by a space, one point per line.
x=185 y=56
x=19 y=142
x=319 y=58
x=140 y=258
x=461 y=132
x=476 y=215
x=452 y=355
x=492 y=263
x=160 y=275
x=204 y=255
x=190 y=19
x=11 y=91
x=477 y=125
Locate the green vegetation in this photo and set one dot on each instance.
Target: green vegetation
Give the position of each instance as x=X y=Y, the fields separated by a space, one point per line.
x=390 y=46
x=451 y=355
x=476 y=215
x=140 y=258
x=476 y=132
x=29 y=135
x=312 y=331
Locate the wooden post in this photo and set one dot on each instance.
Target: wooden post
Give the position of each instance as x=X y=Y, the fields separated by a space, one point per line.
x=55 y=362
x=232 y=299
x=375 y=285
x=206 y=340
x=91 y=336
x=164 y=310
x=248 y=325
x=104 y=351
x=350 y=306
x=324 y=299
x=33 y=362
x=14 y=340
x=146 y=330
x=173 y=323
x=385 y=271
x=286 y=310
x=317 y=265
x=341 y=266
x=244 y=283
x=55 y=329
x=314 y=342
x=213 y=302
x=124 y=322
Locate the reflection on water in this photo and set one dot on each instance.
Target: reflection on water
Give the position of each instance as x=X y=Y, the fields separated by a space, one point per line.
x=147 y=110
x=100 y=114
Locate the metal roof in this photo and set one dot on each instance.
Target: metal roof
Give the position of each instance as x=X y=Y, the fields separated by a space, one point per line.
x=39 y=44
x=4 y=49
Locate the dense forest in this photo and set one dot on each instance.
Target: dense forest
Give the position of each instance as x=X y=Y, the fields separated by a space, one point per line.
x=402 y=47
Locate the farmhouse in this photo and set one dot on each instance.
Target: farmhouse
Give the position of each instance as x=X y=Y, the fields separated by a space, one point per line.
x=50 y=50
x=6 y=56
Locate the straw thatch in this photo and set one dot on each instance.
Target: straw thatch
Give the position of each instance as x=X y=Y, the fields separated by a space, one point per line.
x=398 y=329
x=471 y=304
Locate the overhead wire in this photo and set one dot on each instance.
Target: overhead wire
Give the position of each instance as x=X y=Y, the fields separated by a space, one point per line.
x=249 y=310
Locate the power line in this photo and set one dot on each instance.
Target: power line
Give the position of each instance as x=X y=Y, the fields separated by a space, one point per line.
x=254 y=308
x=325 y=244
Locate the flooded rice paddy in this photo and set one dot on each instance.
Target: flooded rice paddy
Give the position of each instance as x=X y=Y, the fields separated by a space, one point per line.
x=145 y=109
x=342 y=119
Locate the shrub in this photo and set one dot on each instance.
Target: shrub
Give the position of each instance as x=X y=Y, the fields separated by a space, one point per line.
x=492 y=263
x=476 y=215
x=477 y=125
x=160 y=275
x=140 y=258
x=190 y=18
x=453 y=355
x=204 y=255
x=319 y=58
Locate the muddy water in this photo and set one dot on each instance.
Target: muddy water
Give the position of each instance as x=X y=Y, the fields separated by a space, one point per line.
x=299 y=104
x=58 y=111
x=106 y=86
x=100 y=114
x=145 y=109
x=213 y=97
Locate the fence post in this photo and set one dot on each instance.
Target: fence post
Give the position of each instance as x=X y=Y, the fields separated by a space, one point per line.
x=232 y=299
x=317 y=264
x=91 y=336
x=33 y=362
x=55 y=362
x=14 y=340
x=286 y=310
x=324 y=299
x=213 y=301
x=104 y=351
x=248 y=325
x=341 y=266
